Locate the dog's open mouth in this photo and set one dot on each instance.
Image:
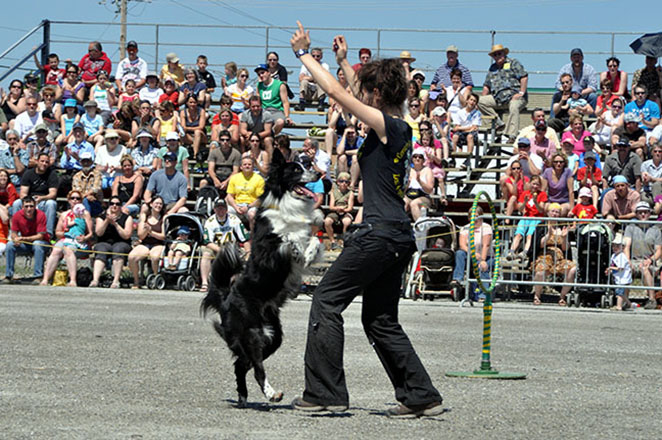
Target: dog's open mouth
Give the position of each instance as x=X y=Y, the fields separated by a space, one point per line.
x=303 y=191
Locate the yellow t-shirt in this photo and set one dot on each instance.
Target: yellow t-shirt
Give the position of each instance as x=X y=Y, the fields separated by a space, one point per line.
x=245 y=191
x=177 y=74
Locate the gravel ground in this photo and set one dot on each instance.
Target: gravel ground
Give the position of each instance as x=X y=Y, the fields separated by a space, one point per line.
x=95 y=363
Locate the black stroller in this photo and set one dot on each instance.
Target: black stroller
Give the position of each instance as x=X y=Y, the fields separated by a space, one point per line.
x=431 y=267
x=187 y=274
x=593 y=255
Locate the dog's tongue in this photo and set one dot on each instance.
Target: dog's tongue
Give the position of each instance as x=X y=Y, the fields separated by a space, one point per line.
x=304 y=191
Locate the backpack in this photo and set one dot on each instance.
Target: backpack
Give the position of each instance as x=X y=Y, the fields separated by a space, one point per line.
x=204 y=204
x=83 y=276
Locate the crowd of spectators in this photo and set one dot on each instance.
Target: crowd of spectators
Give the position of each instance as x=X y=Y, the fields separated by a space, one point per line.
x=123 y=143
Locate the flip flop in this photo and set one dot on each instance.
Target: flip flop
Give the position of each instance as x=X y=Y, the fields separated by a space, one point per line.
x=536 y=301
x=204 y=288
x=562 y=302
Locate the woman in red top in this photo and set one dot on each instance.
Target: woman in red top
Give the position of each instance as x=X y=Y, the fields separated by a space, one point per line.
x=532 y=204
x=514 y=185
x=619 y=80
x=8 y=195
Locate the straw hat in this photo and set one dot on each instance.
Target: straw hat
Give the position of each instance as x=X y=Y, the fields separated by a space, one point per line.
x=498 y=47
x=406 y=55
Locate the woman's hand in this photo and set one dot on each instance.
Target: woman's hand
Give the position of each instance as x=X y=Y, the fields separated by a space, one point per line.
x=300 y=39
x=340 y=48
x=483 y=266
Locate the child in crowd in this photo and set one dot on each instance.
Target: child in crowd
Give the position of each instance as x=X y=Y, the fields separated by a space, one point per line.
x=436 y=155
x=573 y=160
x=621 y=272
x=584 y=209
x=171 y=93
x=576 y=104
x=129 y=94
x=151 y=91
x=103 y=93
x=179 y=248
x=230 y=76
x=54 y=75
x=75 y=227
x=67 y=121
x=465 y=128
x=590 y=145
x=532 y=203
x=205 y=77
x=341 y=204
x=589 y=177
x=93 y=124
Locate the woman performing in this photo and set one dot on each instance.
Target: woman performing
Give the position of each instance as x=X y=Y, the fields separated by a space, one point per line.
x=375 y=253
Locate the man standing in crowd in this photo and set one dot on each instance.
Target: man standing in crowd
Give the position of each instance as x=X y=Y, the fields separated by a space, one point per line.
x=28 y=236
x=308 y=88
x=40 y=183
x=582 y=74
x=132 y=67
x=94 y=61
x=168 y=183
x=442 y=77
x=505 y=87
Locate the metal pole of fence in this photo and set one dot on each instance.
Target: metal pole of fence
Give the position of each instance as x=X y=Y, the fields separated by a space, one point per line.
x=46 y=49
x=379 y=43
x=156 y=49
x=266 y=43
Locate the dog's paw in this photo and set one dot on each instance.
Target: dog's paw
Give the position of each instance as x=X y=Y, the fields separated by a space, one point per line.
x=313 y=252
x=277 y=397
x=241 y=401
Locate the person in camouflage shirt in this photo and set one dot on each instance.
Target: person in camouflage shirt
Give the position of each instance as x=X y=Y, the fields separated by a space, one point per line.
x=504 y=88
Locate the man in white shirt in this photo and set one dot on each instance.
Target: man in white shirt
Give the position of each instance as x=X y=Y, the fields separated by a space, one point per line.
x=132 y=67
x=26 y=121
x=308 y=88
x=466 y=124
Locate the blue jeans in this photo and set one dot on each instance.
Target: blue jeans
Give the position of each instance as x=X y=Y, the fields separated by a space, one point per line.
x=94 y=208
x=48 y=207
x=35 y=249
x=460 y=268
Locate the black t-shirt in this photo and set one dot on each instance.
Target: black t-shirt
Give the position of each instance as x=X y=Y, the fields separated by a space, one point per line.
x=111 y=236
x=39 y=184
x=634 y=136
x=206 y=78
x=384 y=168
x=563 y=113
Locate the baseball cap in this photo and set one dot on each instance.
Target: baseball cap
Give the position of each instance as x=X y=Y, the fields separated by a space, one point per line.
x=632 y=117
x=110 y=133
x=524 y=142
x=183 y=230
x=642 y=206
x=576 y=88
x=220 y=202
x=40 y=127
x=78 y=209
x=452 y=48
x=576 y=51
x=132 y=43
x=172 y=57
x=168 y=79
x=589 y=140
x=622 y=140
x=260 y=67
x=70 y=103
x=420 y=151
x=47 y=114
x=418 y=72
x=152 y=74
x=590 y=155
x=170 y=156
x=585 y=192
x=85 y=155
x=172 y=136
x=618 y=239
x=143 y=134
x=78 y=125
x=90 y=103
x=439 y=111
x=619 y=179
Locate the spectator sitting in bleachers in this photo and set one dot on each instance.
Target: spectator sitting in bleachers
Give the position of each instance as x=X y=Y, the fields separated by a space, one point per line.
x=230 y=76
x=87 y=182
x=282 y=142
x=456 y=94
x=590 y=145
x=103 y=94
x=170 y=93
x=505 y=87
x=122 y=123
x=538 y=114
x=346 y=151
x=225 y=124
x=223 y=162
x=577 y=104
x=443 y=75
x=31 y=82
x=585 y=208
x=512 y=188
x=308 y=89
x=28 y=236
x=609 y=122
x=192 y=87
x=240 y=92
x=589 y=176
x=542 y=145
x=128 y=186
x=620 y=202
x=559 y=116
x=132 y=67
x=649 y=77
x=26 y=121
x=130 y=93
x=13 y=157
x=93 y=123
x=145 y=121
x=72 y=86
x=107 y=158
x=621 y=273
x=70 y=158
x=150 y=239
x=39 y=144
x=618 y=80
x=256 y=120
x=623 y=162
x=258 y=153
x=633 y=134
x=92 y=62
x=465 y=126
x=436 y=155
x=559 y=184
x=440 y=128
x=169 y=184
x=567 y=147
x=556 y=258
x=8 y=196
x=420 y=185
x=168 y=121
x=576 y=134
x=643 y=247
x=151 y=91
x=194 y=120
x=13 y=103
x=321 y=161
x=278 y=71
x=273 y=95
x=651 y=174
x=181 y=152
x=53 y=73
x=583 y=75
x=647 y=110
x=48 y=102
x=532 y=164
x=243 y=192
x=172 y=69
x=414 y=117
x=365 y=56
x=206 y=78
x=341 y=205
x=40 y=183
x=406 y=59
x=144 y=154
x=532 y=203
x=606 y=98
x=67 y=120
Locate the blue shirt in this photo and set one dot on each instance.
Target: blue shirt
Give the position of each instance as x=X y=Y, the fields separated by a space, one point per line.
x=582 y=164
x=92 y=125
x=69 y=162
x=648 y=111
x=7 y=161
x=587 y=78
x=443 y=75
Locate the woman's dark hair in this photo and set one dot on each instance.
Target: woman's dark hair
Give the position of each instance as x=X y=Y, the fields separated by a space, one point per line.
x=282 y=140
x=168 y=106
x=456 y=72
x=20 y=83
x=149 y=205
x=389 y=77
x=273 y=53
x=614 y=59
x=414 y=84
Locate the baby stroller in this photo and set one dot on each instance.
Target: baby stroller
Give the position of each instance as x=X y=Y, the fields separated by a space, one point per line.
x=431 y=267
x=593 y=255
x=187 y=274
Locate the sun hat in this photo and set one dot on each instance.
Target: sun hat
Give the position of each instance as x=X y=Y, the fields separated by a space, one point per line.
x=498 y=47
x=642 y=206
x=406 y=55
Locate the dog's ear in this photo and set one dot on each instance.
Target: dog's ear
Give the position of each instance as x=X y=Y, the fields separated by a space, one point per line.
x=277 y=158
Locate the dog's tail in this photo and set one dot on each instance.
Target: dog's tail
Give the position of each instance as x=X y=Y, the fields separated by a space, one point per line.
x=227 y=264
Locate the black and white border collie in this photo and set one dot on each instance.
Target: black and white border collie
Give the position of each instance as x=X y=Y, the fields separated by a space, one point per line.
x=248 y=295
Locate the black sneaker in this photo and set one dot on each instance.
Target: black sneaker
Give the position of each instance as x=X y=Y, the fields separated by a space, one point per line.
x=300 y=107
x=302 y=405
x=403 y=411
x=651 y=305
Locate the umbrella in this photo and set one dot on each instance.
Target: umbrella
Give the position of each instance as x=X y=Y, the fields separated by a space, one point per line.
x=649 y=45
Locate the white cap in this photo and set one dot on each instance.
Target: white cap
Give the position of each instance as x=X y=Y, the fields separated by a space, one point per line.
x=172 y=136
x=585 y=192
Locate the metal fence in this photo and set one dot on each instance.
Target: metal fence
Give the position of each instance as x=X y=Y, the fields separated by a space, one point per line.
x=248 y=45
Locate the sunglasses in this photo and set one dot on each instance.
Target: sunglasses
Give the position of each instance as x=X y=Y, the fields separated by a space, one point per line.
x=515 y=168
x=541 y=129
x=224 y=140
x=71 y=72
x=417 y=156
x=559 y=161
x=414 y=106
x=639 y=93
x=343 y=181
x=616 y=106
x=115 y=203
x=74 y=198
x=15 y=86
x=243 y=76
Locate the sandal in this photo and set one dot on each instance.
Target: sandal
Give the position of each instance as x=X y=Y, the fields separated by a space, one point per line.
x=115 y=286
x=536 y=301
x=204 y=288
x=135 y=287
x=562 y=302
